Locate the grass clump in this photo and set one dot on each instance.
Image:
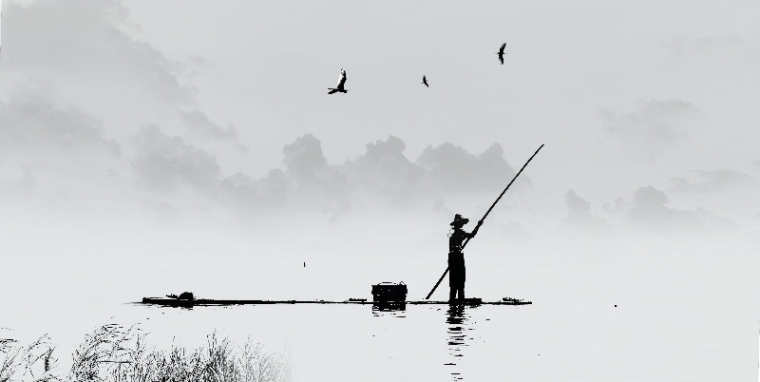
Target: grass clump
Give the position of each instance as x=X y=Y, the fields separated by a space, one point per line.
x=113 y=353
x=33 y=362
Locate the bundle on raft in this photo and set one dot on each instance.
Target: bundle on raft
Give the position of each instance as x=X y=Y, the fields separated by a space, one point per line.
x=184 y=296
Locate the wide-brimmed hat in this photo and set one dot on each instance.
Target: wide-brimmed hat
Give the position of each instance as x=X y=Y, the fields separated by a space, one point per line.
x=459 y=221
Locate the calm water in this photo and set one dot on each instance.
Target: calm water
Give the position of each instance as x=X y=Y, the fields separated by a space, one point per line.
x=350 y=342
x=530 y=343
x=683 y=314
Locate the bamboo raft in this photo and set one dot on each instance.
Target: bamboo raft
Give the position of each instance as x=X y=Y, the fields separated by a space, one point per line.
x=166 y=301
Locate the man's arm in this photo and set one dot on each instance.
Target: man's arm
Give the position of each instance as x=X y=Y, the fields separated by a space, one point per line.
x=475 y=231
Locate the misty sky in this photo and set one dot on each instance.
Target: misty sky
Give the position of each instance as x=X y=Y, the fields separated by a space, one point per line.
x=143 y=95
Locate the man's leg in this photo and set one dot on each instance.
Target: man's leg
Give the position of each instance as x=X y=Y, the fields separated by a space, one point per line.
x=457 y=282
x=452 y=286
x=461 y=281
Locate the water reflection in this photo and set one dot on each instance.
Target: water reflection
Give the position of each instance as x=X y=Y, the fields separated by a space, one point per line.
x=458 y=327
x=389 y=309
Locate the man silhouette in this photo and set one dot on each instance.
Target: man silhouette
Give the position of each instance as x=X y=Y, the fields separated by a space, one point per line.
x=456 y=257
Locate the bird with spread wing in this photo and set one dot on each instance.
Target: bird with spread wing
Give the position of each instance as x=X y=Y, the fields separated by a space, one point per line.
x=341 y=87
x=501 y=52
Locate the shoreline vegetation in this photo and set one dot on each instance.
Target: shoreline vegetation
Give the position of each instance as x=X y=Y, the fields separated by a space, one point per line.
x=114 y=353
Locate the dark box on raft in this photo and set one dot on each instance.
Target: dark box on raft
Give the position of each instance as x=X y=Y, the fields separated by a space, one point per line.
x=389 y=292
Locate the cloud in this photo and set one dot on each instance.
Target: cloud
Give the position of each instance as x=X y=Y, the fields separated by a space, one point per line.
x=650 y=211
x=87 y=41
x=269 y=193
x=713 y=181
x=649 y=205
x=200 y=124
x=318 y=185
x=685 y=47
x=88 y=51
x=579 y=214
x=31 y=121
x=384 y=170
x=618 y=206
x=165 y=163
x=452 y=168
x=577 y=207
x=17 y=183
x=381 y=176
x=304 y=160
x=53 y=152
x=652 y=126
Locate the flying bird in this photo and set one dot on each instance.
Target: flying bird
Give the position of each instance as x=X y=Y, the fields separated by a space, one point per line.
x=341 y=84
x=500 y=53
x=424 y=81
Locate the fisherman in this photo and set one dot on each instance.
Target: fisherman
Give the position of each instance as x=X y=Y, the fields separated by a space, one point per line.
x=456 y=257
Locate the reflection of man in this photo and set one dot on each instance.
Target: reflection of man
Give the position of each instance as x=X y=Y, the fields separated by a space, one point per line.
x=456 y=257
x=457 y=330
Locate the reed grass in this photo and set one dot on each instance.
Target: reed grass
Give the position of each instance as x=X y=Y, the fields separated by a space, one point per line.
x=114 y=353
